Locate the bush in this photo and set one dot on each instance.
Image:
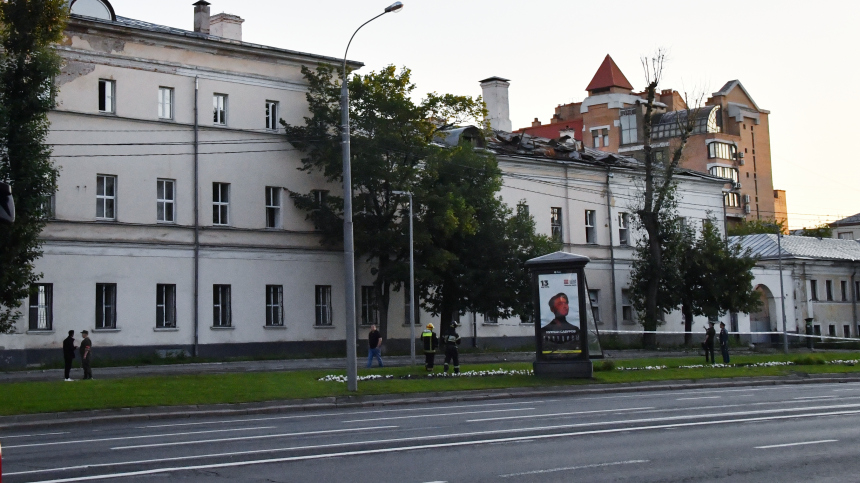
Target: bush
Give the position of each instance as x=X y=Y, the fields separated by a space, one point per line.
x=605 y=365
x=809 y=361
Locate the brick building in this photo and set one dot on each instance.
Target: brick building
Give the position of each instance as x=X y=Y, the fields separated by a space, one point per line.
x=731 y=138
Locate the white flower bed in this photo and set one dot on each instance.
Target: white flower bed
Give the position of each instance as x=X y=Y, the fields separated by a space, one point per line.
x=333 y=378
x=851 y=362
x=492 y=372
x=646 y=368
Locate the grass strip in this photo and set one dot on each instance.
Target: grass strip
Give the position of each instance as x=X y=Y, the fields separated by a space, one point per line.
x=41 y=397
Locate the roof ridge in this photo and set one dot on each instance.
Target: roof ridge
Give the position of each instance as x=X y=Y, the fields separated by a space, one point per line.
x=608 y=75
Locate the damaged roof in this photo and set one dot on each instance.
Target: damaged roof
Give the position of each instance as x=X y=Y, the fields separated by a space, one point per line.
x=766 y=246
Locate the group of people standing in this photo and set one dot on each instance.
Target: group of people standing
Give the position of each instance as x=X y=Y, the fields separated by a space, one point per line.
x=450 y=340
x=86 y=352
x=708 y=344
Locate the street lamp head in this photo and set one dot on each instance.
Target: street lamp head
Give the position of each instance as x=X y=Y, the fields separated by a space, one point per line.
x=398 y=192
x=394 y=7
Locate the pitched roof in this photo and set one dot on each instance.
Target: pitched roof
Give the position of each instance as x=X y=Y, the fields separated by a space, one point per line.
x=730 y=85
x=553 y=130
x=608 y=75
x=765 y=246
x=851 y=220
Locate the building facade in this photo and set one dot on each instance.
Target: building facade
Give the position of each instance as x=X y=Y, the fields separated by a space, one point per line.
x=847 y=228
x=731 y=138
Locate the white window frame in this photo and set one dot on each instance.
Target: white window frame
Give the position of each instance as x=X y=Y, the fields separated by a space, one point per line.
x=107 y=96
x=626 y=306
x=828 y=290
x=369 y=308
x=273 y=207
x=165 y=209
x=813 y=290
x=165 y=103
x=220 y=204
x=322 y=303
x=42 y=306
x=105 y=306
x=274 y=305
x=219 y=109
x=843 y=289
x=106 y=202
x=600 y=134
x=590 y=227
x=845 y=235
x=272 y=108
x=221 y=306
x=623 y=228
x=165 y=306
x=556 y=223
x=629 y=130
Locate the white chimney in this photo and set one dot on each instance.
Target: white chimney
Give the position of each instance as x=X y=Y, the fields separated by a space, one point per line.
x=495 y=93
x=201 y=17
x=227 y=26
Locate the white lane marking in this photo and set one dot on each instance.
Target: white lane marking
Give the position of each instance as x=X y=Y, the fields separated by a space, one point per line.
x=813 y=397
x=797 y=444
x=246 y=438
x=559 y=414
x=306 y=416
x=33 y=435
x=569 y=468
x=694 y=398
x=437 y=415
x=234 y=464
x=166 y=435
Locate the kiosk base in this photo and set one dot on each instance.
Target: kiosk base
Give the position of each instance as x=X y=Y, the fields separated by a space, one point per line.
x=564 y=369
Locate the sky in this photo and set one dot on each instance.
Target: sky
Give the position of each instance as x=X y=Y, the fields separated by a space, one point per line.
x=796 y=59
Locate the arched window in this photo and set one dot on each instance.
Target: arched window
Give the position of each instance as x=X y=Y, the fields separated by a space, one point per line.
x=101 y=9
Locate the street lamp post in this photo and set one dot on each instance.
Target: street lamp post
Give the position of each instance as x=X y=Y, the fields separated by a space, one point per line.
x=411 y=278
x=348 y=244
x=782 y=291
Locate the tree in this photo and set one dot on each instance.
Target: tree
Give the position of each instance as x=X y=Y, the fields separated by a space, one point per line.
x=703 y=293
x=821 y=231
x=657 y=201
x=473 y=257
x=28 y=65
x=391 y=137
x=754 y=226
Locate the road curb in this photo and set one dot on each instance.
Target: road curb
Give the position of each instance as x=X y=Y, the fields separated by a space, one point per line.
x=33 y=421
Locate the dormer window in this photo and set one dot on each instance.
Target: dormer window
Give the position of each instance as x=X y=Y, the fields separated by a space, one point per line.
x=100 y=9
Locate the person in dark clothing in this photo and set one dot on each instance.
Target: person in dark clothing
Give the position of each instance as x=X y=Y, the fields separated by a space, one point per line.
x=451 y=339
x=69 y=353
x=708 y=344
x=430 y=342
x=724 y=343
x=374 y=343
x=86 y=350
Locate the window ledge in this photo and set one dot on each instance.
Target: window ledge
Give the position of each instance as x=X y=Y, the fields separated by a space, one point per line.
x=275 y=327
x=40 y=332
x=485 y=324
x=222 y=328
x=106 y=330
x=324 y=327
x=165 y=329
x=628 y=322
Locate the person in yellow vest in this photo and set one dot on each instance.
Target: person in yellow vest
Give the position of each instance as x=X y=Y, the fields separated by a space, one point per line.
x=428 y=337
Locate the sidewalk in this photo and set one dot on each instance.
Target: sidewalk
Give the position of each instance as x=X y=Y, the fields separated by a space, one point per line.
x=301 y=364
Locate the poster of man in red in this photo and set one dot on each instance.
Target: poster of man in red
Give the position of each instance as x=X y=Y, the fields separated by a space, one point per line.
x=561 y=328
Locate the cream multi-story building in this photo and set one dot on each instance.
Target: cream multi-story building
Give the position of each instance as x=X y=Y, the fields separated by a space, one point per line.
x=173 y=229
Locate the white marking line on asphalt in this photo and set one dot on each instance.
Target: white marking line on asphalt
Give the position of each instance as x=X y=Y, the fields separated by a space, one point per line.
x=246 y=438
x=570 y=468
x=167 y=435
x=813 y=397
x=797 y=444
x=695 y=398
x=33 y=435
x=234 y=464
x=437 y=415
x=559 y=414
x=306 y=416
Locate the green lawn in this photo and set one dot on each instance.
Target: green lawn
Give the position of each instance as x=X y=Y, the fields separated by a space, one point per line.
x=39 y=397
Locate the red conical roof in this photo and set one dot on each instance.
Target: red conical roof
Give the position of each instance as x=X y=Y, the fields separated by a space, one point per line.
x=608 y=75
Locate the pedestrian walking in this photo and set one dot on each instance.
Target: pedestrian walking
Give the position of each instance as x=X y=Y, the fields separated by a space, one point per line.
x=708 y=344
x=451 y=339
x=724 y=342
x=428 y=337
x=69 y=354
x=374 y=342
x=86 y=350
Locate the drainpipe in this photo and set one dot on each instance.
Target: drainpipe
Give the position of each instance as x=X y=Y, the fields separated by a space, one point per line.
x=612 y=248
x=567 y=206
x=196 y=218
x=854 y=301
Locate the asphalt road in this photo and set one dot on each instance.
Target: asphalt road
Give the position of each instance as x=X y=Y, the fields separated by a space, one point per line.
x=788 y=433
